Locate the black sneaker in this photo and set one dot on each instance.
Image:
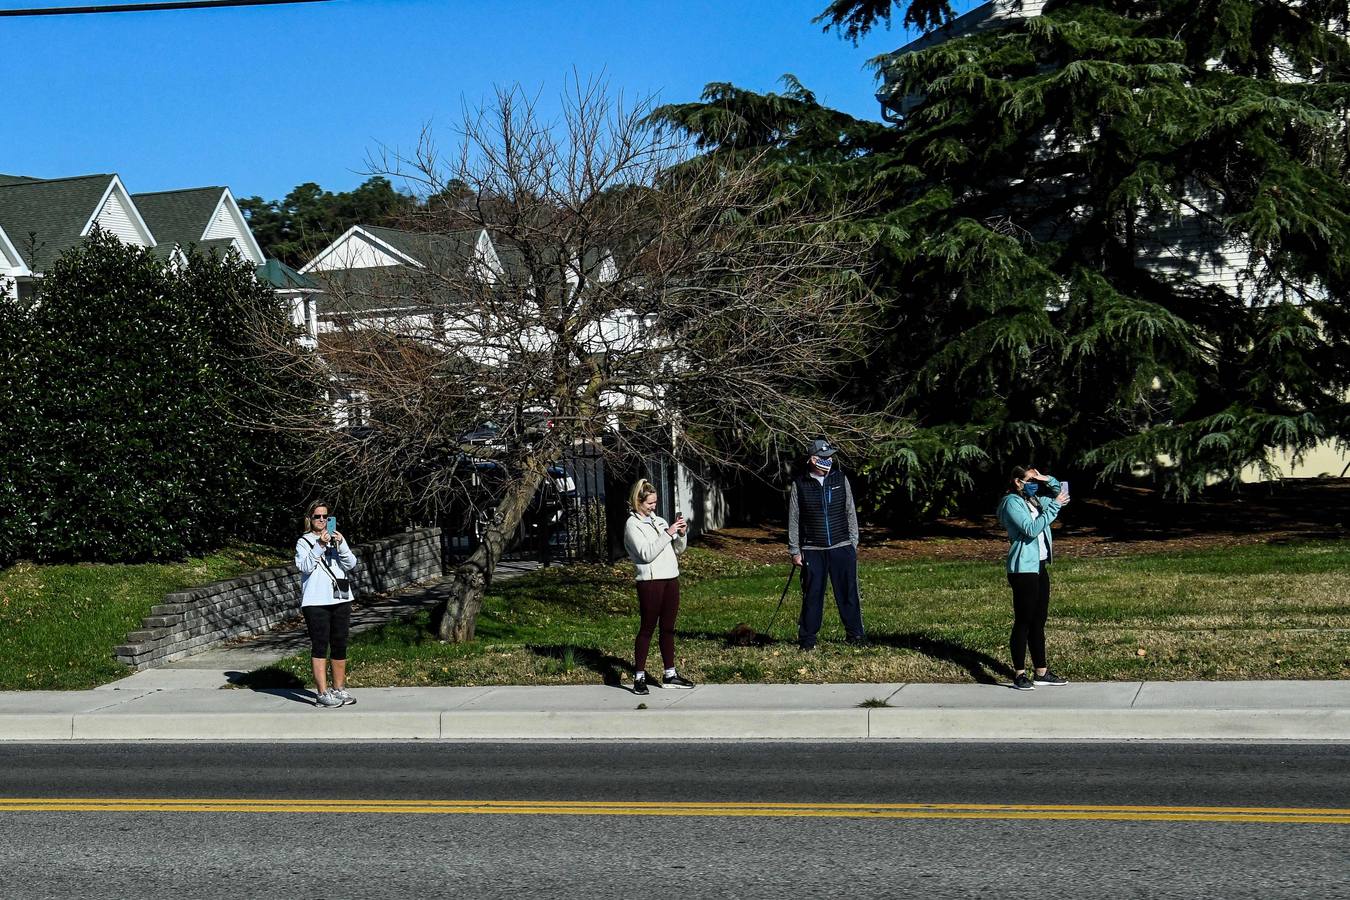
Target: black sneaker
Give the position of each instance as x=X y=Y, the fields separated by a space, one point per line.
x=1023 y=683
x=1049 y=678
x=640 y=685
x=859 y=641
x=676 y=681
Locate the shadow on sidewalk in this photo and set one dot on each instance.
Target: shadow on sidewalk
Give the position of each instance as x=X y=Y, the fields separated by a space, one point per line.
x=609 y=668
x=275 y=681
x=982 y=667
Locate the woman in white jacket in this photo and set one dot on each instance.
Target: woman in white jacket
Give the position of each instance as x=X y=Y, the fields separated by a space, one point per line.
x=324 y=560
x=653 y=545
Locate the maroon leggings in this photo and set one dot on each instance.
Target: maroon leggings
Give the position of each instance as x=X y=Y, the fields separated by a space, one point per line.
x=659 y=601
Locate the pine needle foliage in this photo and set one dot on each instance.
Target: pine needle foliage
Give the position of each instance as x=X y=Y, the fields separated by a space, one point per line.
x=1113 y=238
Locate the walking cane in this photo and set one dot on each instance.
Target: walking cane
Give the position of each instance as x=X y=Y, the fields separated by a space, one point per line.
x=781 y=598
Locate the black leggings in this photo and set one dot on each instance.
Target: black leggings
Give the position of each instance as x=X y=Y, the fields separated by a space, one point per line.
x=1031 y=607
x=328 y=626
x=659 y=601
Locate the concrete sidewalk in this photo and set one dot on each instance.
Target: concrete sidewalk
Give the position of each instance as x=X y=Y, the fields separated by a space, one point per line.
x=225 y=664
x=1129 y=711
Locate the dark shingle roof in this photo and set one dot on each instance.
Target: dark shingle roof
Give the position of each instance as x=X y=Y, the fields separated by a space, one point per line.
x=44 y=218
x=435 y=251
x=179 y=217
x=17 y=179
x=366 y=290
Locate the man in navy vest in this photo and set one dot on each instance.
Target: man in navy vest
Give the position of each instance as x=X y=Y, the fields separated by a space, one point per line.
x=823 y=540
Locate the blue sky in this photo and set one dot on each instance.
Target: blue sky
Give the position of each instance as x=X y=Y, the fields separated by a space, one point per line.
x=264 y=98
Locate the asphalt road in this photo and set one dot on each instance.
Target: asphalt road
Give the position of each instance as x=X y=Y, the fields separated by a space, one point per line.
x=546 y=820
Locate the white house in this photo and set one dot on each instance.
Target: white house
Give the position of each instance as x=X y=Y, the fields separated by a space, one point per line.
x=205 y=217
x=42 y=218
x=377 y=278
x=12 y=267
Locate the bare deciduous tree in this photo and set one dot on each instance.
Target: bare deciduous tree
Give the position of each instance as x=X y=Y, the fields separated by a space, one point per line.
x=595 y=272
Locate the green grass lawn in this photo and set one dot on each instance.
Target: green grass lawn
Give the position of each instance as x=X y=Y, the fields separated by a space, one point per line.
x=1262 y=611
x=59 y=624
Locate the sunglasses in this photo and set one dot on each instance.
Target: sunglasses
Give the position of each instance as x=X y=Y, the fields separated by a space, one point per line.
x=319 y=516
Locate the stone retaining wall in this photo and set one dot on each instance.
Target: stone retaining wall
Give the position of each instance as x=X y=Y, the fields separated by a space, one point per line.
x=190 y=621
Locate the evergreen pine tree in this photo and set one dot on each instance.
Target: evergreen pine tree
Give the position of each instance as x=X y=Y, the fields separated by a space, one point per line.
x=1029 y=213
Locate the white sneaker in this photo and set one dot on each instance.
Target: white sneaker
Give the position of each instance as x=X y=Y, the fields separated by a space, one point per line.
x=327 y=700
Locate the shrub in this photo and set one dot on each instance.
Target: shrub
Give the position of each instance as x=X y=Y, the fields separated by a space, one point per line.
x=135 y=413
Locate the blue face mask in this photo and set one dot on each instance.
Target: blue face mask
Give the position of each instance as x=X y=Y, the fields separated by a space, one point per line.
x=1030 y=488
x=823 y=464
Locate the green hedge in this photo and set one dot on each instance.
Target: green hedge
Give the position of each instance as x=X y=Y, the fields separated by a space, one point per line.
x=135 y=402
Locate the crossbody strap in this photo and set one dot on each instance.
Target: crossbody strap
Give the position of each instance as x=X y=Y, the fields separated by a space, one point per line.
x=323 y=560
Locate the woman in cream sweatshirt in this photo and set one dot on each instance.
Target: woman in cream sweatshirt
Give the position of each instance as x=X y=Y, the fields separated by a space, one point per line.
x=653 y=545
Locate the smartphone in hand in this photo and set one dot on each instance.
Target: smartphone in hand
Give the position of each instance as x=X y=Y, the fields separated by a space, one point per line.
x=332 y=524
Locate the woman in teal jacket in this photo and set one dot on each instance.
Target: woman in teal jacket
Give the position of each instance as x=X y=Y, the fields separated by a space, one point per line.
x=1030 y=504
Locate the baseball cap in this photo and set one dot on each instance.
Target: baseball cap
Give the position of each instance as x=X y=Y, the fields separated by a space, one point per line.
x=821 y=448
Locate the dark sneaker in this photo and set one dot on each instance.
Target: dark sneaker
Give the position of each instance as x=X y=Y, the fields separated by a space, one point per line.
x=859 y=641
x=1023 y=683
x=676 y=681
x=640 y=685
x=806 y=648
x=1049 y=678
x=346 y=698
x=327 y=700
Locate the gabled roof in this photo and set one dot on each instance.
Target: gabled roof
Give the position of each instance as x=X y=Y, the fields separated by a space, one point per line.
x=46 y=218
x=439 y=252
x=432 y=250
x=17 y=179
x=994 y=14
x=184 y=217
x=991 y=15
x=10 y=258
x=179 y=217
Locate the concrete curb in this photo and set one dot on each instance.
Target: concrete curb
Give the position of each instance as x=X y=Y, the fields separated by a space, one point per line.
x=1103 y=711
x=881 y=724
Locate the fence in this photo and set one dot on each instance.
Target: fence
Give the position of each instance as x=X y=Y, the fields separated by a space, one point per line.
x=565 y=522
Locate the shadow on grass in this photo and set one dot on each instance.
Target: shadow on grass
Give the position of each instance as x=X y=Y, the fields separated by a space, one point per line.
x=741 y=635
x=609 y=668
x=982 y=667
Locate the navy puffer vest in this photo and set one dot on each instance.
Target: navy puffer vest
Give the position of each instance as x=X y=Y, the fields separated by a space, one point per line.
x=822 y=510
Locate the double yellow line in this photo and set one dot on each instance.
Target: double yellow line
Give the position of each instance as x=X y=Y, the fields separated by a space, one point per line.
x=1283 y=815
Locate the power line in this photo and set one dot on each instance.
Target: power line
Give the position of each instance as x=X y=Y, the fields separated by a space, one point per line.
x=144 y=7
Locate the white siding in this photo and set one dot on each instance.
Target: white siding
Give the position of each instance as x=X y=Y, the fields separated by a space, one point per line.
x=116 y=217
x=410 y=324
x=1326 y=459
x=11 y=267
x=229 y=223
x=485 y=260
x=357 y=251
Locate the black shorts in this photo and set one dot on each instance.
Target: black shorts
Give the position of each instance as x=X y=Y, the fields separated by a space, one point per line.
x=328 y=628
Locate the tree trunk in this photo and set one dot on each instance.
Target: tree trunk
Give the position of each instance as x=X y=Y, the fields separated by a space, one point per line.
x=471 y=578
